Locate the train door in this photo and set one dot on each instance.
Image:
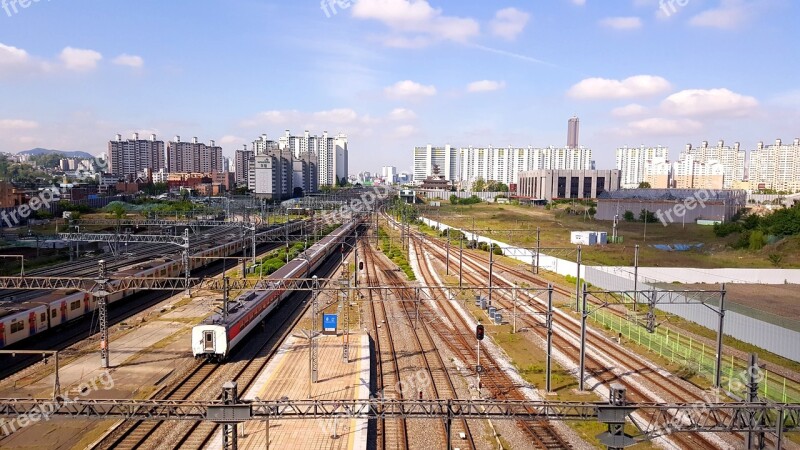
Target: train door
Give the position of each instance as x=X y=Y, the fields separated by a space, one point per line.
x=2 y=334
x=86 y=304
x=32 y=323
x=63 y=312
x=208 y=341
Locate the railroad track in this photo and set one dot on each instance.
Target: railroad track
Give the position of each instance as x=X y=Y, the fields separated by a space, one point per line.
x=203 y=381
x=628 y=363
x=500 y=385
x=391 y=434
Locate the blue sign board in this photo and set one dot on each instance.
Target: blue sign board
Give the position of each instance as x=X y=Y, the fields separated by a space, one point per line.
x=329 y=322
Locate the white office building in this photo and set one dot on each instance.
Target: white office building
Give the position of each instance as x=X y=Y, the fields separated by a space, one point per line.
x=635 y=162
x=389 y=174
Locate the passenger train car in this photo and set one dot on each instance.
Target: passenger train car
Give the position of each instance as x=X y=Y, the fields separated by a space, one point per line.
x=60 y=307
x=217 y=336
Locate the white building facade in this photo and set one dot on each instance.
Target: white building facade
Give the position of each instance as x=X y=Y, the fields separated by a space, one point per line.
x=504 y=164
x=776 y=166
x=445 y=158
x=635 y=162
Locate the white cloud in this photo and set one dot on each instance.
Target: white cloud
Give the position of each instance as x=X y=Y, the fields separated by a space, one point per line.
x=508 y=23
x=603 y=88
x=272 y=117
x=409 y=89
x=622 y=23
x=415 y=22
x=633 y=109
x=17 y=124
x=485 y=86
x=231 y=141
x=404 y=131
x=80 y=60
x=659 y=126
x=129 y=60
x=402 y=114
x=12 y=56
x=730 y=14
x=336 y=116
x=698 y=102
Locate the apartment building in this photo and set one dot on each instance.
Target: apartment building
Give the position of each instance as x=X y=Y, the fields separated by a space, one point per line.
x=776 y=166
x=193 y=157
x=127 y=158
x=504 y=164
x=444 y=158
x=634 y=163
x=732 y=159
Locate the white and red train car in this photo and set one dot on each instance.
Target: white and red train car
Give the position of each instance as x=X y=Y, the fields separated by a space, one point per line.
x=217 y=336
x=60 y=307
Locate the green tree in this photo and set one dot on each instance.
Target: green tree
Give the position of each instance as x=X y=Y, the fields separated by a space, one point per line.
x=47 y=160
x=647 y=216
x=756 y=240
x=479 y=185
x=629 y=217
x=645 y=185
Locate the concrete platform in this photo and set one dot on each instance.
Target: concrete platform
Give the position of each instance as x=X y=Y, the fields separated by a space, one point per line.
x=288 y=375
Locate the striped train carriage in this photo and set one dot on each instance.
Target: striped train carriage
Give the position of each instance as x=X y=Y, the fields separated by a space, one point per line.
x=57 y=308
x=217 y=336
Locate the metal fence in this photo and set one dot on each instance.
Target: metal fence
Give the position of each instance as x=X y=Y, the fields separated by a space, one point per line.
x=776 y=339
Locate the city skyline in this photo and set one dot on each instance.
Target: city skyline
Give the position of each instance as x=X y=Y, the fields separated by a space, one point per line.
x=390 y=79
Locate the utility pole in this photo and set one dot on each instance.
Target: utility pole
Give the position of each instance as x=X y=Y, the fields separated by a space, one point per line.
x=460 y=259
x=102 y=314
x=314 y=318
x=514 y=319
x=447 y=260
x=718 y=371
x=583 y=342
x=578 y=281
x=549 y=319
x=635 y=276
x=491 y=267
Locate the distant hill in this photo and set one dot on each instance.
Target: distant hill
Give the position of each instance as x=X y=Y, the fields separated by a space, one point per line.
x=68 y=154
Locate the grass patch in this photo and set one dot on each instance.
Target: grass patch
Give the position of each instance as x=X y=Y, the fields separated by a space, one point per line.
x=396 y=253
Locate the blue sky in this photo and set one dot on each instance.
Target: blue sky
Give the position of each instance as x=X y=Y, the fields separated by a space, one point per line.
x=397 y=73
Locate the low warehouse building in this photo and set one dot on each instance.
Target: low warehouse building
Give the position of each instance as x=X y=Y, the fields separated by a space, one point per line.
x=672 y=205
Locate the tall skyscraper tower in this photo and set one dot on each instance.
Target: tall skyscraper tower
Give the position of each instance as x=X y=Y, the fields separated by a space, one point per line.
x=573 y=130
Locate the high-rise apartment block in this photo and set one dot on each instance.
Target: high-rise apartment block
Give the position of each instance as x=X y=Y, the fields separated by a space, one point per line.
x=193 y=157
x=445 y=159
x=132 y=156
x=634 y=162
x=331 y=152
x=504 y=164
x=731 y=159
x=573 y=132
x=242 y=160
x=776 y=166
x=275 y=172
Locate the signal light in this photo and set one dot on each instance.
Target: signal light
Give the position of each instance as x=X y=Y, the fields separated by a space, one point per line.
x=361 y=265
x=479 y=332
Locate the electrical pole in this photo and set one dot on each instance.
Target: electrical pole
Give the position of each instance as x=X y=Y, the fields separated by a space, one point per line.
x=491 y=266
x=460 y=259
x=578 y=281
x=718 y=371
x=635 y=276
x=103 y=314
x=549 y=319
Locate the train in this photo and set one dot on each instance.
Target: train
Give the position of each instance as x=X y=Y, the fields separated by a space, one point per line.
x=217 y=336
x=60 y=307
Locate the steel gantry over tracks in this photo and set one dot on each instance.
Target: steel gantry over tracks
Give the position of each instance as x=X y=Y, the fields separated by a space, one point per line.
x=663 y=418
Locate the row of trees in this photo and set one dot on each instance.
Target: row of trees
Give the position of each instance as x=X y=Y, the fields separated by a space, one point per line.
x=481 y=185
x=755 y=231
